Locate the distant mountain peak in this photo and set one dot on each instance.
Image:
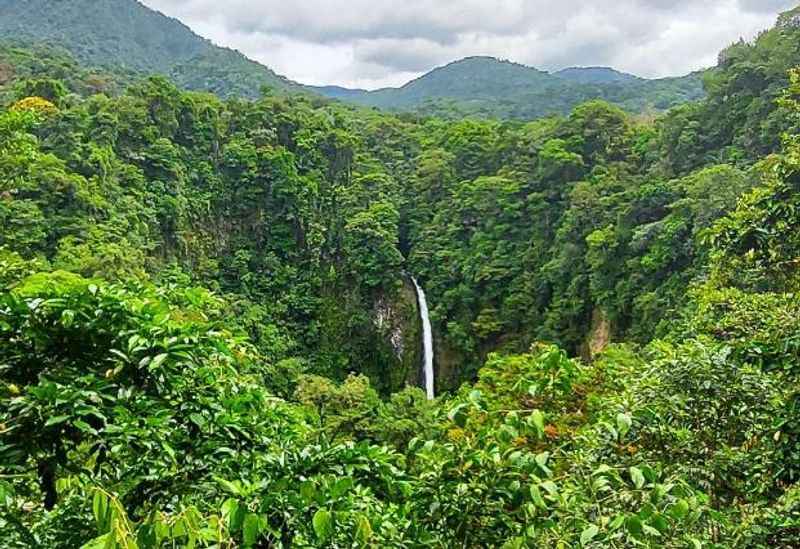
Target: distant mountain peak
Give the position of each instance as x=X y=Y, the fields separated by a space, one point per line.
x=487 y=61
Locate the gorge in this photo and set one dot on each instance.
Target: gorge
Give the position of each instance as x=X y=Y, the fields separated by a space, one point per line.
x=209 y=335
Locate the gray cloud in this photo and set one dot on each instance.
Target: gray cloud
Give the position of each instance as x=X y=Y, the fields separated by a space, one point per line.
x=767 y=6
x=373 y=43
x=412 y=55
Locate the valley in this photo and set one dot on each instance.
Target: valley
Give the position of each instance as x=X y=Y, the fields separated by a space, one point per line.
x=530 y=310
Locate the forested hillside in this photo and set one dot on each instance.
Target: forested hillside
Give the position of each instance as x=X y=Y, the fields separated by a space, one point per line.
x=491 y=88
x=45 y=63
x=209 y=335
x=124 y=36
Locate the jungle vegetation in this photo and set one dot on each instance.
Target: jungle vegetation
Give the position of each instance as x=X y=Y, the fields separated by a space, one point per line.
x=189 y=355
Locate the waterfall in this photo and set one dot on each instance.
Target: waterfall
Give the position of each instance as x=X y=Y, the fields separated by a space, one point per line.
x=427 y=340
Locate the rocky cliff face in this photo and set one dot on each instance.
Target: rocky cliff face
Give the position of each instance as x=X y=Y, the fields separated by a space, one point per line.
x=396 y=318
x=448 y=363
x=599 y=335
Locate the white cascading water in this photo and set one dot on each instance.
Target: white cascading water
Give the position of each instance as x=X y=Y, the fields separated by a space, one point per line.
x=427 y=340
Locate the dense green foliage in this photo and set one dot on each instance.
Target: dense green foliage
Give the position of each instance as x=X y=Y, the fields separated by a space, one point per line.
x=21 y=66
x=489 y=87
x=126 y=35
x=208 y=339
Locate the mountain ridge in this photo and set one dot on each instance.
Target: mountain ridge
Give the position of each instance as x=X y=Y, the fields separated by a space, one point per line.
x=129 y=35
x=490 y=86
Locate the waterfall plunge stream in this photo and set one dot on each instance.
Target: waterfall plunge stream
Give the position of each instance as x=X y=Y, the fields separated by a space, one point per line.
x=427 y=340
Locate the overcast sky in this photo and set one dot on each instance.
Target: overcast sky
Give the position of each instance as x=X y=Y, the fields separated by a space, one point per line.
x=375 y=43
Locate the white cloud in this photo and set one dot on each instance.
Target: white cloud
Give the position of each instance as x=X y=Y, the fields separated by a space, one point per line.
x=374 y=43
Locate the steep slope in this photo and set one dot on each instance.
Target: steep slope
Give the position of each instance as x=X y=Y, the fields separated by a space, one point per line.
x=103 y=32
x=126 y=34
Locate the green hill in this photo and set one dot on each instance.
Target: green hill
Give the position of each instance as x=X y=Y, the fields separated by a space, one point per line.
x=124 y=34
x=492 y=87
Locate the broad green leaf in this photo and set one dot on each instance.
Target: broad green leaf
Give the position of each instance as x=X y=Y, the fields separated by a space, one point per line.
x=458 y=415
x=323 y=524
x=85 y=427
x=679 y=509
x=475 y=396
x=616 y=523
x=158 y=361
x=601 y=484
x=634 y=525
x=237 y=514
x=550 y=487
x=649 y=474
x=179 y=528
x=537 y=420
x=514 y=543
x=541 y=459
x=6 y=493
x=624 y=423
x=308 y=491
x=100 y=509
x=146 y=536
x=229 y=486
x=637 y=477
x=647 y=511
x=101 y=542
x=229 y=507
x=589 y=534
x=169 y=450
x=658 y=522
x=650 y=531
x=67 y=317
x=198 y=420
x=536 y=497
x=341 y=487
x=602 y=470
x=55 y=420
x=541 y=462
x=363 y=530
x=250 y=529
